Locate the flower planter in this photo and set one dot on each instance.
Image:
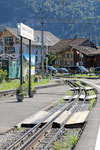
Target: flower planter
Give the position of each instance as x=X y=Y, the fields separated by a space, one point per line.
x=20 y=97
x=31 y=93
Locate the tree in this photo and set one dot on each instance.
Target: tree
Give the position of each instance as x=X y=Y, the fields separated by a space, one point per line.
x=51 y=58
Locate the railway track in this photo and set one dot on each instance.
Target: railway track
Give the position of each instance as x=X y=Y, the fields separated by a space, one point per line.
x=7 y=93
x=31 y=139
x=54 y=137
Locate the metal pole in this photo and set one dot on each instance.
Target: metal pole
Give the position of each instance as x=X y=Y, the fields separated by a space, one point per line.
x=63 y=16
x=42 y=41
x=29 y=67
x=89 y=30
x=21 y=62
x=47 y=60
x=3 y=39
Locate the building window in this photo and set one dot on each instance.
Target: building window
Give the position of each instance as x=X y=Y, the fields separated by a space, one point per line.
x=64 y=55
x=57 y=62
x=69 y=55
x=9 y=50
x=69 y=63
x=36 y=52
x=9 y=40
x=0 y=64
x=6 y=50
x=0 y=41
x=17 y=40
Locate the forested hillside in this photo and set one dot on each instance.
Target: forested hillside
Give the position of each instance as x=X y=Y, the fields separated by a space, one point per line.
x=28 y=12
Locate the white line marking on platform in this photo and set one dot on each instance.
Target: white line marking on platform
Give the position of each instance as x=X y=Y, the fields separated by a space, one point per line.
x=97 y=146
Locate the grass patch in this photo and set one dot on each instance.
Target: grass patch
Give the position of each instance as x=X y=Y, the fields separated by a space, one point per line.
x=70 y=140
x=91 y=92
x=18 y=128
x=85 y=75
x=13 y=84
x=60 y=101
x=9 y=85
x=92 y=101
x=42 y=82
x=69 y=93
x=68 y=143
x=83 y=84
x=78 y=82
x=77 y=75
x=57 y=145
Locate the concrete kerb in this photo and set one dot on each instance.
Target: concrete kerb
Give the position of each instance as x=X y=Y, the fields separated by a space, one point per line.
x=47 y=85
x=78 y=77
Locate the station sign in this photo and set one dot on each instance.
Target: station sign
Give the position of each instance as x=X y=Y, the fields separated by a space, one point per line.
x=25 y=31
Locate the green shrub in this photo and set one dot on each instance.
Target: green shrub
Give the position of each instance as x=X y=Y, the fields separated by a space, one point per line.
x=36 y=78
x=3 y=75
x=20 y=91
x=70 y=141
x=91 y=70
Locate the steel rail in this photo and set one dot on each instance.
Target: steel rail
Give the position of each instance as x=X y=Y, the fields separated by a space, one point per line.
x=20 y=140
x=47 y=125
x=61 y=128
x=7 y=92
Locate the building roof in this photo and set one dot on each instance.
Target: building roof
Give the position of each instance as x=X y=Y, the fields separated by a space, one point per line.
x=81 y=44
x=64 y=44
x=49 y=38
x=87 y=50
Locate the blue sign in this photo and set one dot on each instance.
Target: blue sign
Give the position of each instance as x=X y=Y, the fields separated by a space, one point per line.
x=26 y=64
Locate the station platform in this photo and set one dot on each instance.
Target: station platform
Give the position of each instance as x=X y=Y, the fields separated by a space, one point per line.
x=13 y=112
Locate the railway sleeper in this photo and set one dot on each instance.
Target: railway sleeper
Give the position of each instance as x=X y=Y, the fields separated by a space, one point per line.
x=89 y=97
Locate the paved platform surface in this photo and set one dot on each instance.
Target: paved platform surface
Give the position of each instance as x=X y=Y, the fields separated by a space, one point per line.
x=89 y=137
x=13 y=112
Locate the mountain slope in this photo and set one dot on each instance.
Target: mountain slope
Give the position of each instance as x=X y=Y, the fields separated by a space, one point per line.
x=28 y=12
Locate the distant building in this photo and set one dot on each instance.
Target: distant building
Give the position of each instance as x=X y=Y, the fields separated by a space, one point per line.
x=12 y=43
x=11 y=65
x=77 y=51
